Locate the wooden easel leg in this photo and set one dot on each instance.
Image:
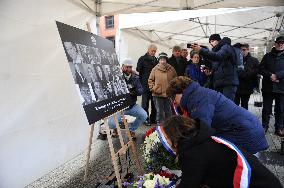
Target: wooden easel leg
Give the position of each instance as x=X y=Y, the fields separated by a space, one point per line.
x=119 y=132
x=89 y=151
x=112 y=153
x=133 y=146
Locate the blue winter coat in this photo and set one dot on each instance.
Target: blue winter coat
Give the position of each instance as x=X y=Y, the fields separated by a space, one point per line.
x=223 y=64
x=193 y=71
x=230 y=121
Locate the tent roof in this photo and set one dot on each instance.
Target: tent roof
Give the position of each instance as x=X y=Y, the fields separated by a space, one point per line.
x=256 y=25
x=112 y=7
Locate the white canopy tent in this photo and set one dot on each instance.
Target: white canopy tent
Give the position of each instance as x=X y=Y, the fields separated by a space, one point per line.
x=42 y=121
x=111 y=7
x=255 y=26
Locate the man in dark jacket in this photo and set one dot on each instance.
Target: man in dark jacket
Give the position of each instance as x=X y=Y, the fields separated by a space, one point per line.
x=230 y=121
x=224 y=69
x=177 y=61
x=272 y=70
x=135 y=89
x=247 y=77
x=144 y=66
x=213 y=161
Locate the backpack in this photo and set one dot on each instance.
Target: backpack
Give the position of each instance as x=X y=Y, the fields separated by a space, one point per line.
x=239 y=60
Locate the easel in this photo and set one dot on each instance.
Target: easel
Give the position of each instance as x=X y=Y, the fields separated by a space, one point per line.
x=121 y=151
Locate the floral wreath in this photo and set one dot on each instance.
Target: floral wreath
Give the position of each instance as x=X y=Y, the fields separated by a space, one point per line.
x=157 y=152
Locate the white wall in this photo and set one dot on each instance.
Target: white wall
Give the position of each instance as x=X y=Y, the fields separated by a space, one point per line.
x=42 y=121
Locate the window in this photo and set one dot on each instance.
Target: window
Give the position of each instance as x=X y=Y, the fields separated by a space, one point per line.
x=112 y=39
x=109 y=22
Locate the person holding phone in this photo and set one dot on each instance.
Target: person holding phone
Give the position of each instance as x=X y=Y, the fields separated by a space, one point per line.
x=195 y=70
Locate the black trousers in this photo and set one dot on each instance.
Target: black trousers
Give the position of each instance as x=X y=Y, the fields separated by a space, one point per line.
x=267 y=108
x=146 y=97
x=242 y=99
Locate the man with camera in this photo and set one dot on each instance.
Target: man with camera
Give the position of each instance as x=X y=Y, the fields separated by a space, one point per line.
x=135 y=89
x=224 y=69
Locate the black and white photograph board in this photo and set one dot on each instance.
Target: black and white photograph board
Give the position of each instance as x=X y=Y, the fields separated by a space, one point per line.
x=96 y=72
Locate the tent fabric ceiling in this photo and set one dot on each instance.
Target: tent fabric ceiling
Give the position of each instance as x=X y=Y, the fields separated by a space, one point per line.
x=254 y=26
x=112 y=7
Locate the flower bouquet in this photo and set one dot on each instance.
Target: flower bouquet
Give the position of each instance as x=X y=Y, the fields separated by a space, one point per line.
x=151 y=180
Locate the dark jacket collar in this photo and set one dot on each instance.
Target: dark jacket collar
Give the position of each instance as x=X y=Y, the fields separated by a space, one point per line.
x=221 y=43
x=187 y=92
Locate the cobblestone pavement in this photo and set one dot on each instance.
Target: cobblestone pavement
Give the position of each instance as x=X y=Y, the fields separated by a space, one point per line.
x=70 y=175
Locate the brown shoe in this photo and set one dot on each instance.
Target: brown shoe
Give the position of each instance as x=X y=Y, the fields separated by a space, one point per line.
x=133 y=135
x=114 y=133
x=279 y=132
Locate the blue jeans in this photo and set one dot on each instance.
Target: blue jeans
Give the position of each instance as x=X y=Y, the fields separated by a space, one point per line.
x=136 y=111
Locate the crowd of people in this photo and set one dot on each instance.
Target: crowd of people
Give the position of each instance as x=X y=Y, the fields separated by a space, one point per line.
x=197 y=101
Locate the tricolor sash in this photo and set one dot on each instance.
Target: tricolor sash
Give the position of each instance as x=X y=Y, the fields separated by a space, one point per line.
x=164 y=141
x=243 y=171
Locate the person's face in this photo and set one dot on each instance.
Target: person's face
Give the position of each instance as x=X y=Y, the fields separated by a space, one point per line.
x=184 y=53
x=195 y=58
x=279 y=46
x=213 y=43
x=152 y=51
x=176 y=53
x=86 y=94
x=178 y=98
x=245 y=51
x=127 y=69
x=71 y=50
x=163 y=61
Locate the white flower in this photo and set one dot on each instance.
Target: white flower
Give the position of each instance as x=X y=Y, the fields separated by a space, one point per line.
x=162 y=180
x=149 y=184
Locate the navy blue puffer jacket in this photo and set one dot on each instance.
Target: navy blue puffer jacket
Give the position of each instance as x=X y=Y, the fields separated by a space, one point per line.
x=223 y=64
x=230 y=121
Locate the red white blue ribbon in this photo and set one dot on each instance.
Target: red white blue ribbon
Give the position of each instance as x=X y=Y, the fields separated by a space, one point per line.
x=243 y=171
x=164 y=141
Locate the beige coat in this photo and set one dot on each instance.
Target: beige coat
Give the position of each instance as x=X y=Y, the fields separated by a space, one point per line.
x=159 y=79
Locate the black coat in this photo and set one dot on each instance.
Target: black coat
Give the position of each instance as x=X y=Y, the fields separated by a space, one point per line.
x=145 y=65
x=179 y=64
x=206 y=162
x=272 y=63
x=248 y=76
x=223 y=64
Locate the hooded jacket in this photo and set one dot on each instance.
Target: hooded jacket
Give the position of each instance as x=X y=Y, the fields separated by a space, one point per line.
x=206 y=162
x=159 y=79
x=223 y=63
x=272 y=63
x=230 y=121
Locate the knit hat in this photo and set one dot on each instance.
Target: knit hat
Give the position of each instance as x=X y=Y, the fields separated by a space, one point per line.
x=279 y=39
x=163 y=55
x=127 y=62
x=214 y=37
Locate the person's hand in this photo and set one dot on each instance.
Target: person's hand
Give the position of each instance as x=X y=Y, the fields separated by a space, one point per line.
x=207 y=72
x=273 y=78
x=196 y=47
